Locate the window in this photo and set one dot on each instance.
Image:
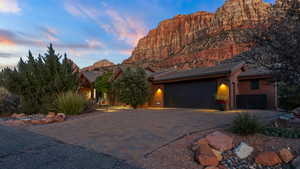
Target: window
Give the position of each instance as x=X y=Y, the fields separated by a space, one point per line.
x=254 y=84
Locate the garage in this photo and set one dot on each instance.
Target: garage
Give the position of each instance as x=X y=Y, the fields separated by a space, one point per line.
x=191 y=94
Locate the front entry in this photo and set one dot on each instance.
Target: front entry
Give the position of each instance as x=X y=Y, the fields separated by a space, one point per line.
x=190 y=94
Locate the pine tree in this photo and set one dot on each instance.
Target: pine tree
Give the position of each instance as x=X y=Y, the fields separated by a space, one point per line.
x=38 y=81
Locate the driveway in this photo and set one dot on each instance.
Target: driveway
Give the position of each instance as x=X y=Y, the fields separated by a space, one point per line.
x=131 y=134
x=21 y=149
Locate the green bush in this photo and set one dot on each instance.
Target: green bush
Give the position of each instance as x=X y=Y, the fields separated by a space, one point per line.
x=37 y=80
x=70 y=103
x=289 y=96
x=282 y=132
x=246 y=124
x=133 y=87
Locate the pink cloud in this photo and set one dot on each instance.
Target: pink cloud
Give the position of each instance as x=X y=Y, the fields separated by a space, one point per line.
x=123 y=27
x=126 y=28
x=9 y=6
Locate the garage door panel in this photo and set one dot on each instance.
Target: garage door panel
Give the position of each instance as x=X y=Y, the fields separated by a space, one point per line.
x=194 y=94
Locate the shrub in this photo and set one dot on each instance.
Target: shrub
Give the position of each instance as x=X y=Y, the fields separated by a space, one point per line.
x=133 y=87
x=39 y=79
x=289 y=96
x=246 y=124
x=8 y=102
x=70 y=103
x=282 y=132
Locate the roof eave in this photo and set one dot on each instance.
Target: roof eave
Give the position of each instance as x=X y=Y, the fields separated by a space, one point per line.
x=213 y=76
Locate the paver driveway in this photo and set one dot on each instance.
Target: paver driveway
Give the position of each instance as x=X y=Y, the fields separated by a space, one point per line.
x=130 y=134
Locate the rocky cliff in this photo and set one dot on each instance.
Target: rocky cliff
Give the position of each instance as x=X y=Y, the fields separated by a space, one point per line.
x=200 y=39
x=98 y=65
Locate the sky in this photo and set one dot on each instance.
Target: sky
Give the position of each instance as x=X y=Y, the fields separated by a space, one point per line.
x=86 y=30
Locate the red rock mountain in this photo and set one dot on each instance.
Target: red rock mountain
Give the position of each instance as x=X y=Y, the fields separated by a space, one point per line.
x=98 y=65
x=200 y=39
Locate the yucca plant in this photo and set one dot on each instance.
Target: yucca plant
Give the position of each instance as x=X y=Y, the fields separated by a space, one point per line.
x=70 y=103
x=246 y=124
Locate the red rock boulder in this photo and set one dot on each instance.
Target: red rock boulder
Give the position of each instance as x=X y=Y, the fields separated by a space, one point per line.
x=268 y=159
x=220 y=141
x=205 y=156
x=60 y=117
x=286 y=155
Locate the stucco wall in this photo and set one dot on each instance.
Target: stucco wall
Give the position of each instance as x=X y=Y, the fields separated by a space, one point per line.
x=157 y=100
x=265 y=87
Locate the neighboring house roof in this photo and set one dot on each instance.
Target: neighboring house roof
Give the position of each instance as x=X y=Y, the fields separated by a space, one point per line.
x=222 y=69
x=92 y=76
x=255 y=72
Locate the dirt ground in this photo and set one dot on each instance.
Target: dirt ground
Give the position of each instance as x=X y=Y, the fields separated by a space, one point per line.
x=178 y=155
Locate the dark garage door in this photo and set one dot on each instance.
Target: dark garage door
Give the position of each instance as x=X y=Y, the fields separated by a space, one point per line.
x=192 y=94
x=251 y=101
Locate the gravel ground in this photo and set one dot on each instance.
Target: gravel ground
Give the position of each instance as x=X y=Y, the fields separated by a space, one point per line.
x=178 y=155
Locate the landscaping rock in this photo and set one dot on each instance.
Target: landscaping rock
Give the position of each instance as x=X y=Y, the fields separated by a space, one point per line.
x=296 y=163
x=37 y=122
x=15 y=115
x=48 y=120
x=211 y=168
x=286 y=155
x=195 y=146
x=218 y=154
x=51 y=115
x=220 y=141
x=268 y=159
x=243 y=150
x=60 y=117
x=205 y=156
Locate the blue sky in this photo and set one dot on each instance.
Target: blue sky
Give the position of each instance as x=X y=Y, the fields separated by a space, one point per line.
x=87 y=30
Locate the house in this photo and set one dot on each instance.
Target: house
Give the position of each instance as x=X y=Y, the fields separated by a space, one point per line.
x=87 y=83
x=236 y=85
x=239 y=86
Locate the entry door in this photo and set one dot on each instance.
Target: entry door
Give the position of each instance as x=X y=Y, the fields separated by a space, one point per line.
x=191 y=94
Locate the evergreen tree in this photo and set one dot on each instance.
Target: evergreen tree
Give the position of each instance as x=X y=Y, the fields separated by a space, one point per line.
x=133 y=87
x=38 y=81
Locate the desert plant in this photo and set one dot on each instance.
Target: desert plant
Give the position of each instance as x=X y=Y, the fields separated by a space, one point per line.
x=246 y=124
x=70 y=103
x=133 y=87
x=38 y=80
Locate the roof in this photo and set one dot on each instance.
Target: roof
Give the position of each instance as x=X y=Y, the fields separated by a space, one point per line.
x=222 y=69
x=254 y=71
x=91 y=76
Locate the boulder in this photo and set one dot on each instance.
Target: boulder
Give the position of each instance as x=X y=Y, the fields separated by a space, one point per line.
x=195 y=146
x=18 y=116
x=48 y=120
x=60 y=117
x=205 y=156
x=211 y=168
x=51 y=115
x=267 y=159
x=37 y=122
x=243 y=150
x=296 y=163
x=218 y=154
x=286 y=155
x=220 y=141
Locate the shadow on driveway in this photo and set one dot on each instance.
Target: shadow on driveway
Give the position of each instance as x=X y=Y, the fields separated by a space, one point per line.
x=21 y=149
